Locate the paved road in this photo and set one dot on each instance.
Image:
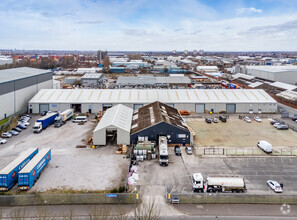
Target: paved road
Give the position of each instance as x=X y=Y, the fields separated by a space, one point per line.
x=209 y=211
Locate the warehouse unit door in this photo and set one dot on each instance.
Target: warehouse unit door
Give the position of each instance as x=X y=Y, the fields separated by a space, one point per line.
x=231 y=108
x=43 y=107
x=199 y=108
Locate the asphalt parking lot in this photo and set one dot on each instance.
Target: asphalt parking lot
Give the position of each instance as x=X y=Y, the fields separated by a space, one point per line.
x=255 y=170
x=238 y=133
x=71 y=168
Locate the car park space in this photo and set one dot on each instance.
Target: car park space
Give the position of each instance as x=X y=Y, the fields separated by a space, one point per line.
x=71 y=168
x=238 y=133
x=255 y=170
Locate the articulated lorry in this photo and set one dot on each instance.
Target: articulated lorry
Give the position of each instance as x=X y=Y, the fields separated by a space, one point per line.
x=45 y=121
x=63 y=117
x=163 y=151
x=218 y=184
x=9 y=174
x=31 y=172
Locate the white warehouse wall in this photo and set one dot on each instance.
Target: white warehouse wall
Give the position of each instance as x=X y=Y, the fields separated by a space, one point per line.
x=7 y=105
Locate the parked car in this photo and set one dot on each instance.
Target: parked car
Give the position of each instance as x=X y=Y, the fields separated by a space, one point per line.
x=17 y=129
x=275 y=186
x=223 y=118
x=182 y=112
x=265 y=146
x=28 y=116
x=272 y=122
x=257 y=119
x=208 y=120
x=21 y=126
x=24 y=119
x=189 y=150
x=24 y=123
x=177 y=150
x=247 y=119
x=282 y=127
x=13 y=133
x=215 y=120
x=294 y=119
x=276 y=124
x=2 y=141
x=6 y=135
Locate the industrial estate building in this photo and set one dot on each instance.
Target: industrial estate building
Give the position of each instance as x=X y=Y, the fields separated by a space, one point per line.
x=93 y=80
x=285 y=74
x=115 y=121
x=19 y=85
x=157 y=119
x=193 y=100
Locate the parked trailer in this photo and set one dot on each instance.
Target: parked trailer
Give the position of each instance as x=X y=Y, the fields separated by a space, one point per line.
x=9 y=174
x=31 y=172
x=45 y=121
x=63 y=117
x=163 y=151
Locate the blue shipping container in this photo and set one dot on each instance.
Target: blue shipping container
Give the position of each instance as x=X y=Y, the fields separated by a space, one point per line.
x=29 y=174
x=9 y=174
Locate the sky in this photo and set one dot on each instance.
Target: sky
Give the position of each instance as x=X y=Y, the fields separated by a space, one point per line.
x=149 y=25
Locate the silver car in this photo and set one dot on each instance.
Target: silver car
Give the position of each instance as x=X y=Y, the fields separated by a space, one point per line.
x=3 y=141
x=275 y=186
x=6 y=135
x=13 y=133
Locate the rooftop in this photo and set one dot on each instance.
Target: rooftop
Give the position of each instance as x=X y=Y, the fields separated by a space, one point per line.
x=92 y=76
x=144 y=96
x=273 y=69
x=155 y=113
x=8 y=75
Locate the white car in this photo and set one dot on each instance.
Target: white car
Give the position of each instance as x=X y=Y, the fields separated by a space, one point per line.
x=257 y=119
x=3 y=141
x=24 y=123
x=275 y=186
x=276 y=124
x=247 y=119
x=6 y=135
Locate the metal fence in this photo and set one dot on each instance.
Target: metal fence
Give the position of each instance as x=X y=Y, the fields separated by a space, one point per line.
x=214 y=151
x=290 y=125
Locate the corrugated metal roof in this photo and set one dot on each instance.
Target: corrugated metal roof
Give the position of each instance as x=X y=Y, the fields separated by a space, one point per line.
x=119 y=116
x=147 y=96
x=20 y=73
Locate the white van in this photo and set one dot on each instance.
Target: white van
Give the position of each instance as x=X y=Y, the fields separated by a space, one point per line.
x=80 y=119
x=265 y=146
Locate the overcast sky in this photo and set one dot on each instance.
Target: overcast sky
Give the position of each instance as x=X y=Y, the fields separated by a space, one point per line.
x=212 y=25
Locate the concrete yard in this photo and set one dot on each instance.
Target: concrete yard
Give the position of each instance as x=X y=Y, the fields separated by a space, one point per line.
x=238 y=133
x=255 y=170
x=71 y=168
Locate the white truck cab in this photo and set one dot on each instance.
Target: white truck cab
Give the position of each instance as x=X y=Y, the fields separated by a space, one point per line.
x=197 y=182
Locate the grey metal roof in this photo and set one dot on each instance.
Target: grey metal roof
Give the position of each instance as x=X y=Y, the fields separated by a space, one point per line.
x=20 y=73
x=151 y=80
x=92 y=76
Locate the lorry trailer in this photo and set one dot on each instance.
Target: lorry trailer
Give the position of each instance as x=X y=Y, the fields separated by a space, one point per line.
x=63 y=117
x=45 y=121
x=163 y=151
x=9 y=174
x=218 y=184
x=31 y=172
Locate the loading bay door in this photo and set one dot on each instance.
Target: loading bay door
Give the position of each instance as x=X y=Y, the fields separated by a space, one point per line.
x=231 y=108
x=199 y=108
x=43 y=107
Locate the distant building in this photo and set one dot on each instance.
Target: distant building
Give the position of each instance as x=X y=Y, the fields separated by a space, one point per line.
x=174 y=51
x=195 y=52
x=92 y=80
x=201 y=52
x=101 y=55
x=186 y=52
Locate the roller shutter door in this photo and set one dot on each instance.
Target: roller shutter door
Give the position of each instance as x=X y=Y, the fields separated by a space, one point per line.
x=43 y=107
x=231 y=108
x=199 y=108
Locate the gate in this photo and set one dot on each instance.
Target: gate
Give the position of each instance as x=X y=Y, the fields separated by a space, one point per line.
x=231 y=108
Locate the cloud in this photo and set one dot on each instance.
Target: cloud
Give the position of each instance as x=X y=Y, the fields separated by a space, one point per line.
x=178 y=29
x=271 y=29
x=89 y=22
x=241 y=11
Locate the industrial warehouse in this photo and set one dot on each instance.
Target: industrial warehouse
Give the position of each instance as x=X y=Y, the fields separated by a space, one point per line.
x=19 y=85
x=192 y=100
